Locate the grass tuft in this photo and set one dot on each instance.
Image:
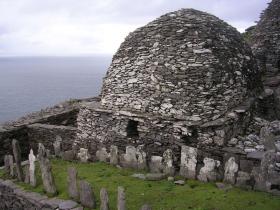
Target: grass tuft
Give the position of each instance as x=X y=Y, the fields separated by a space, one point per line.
x=161 y=195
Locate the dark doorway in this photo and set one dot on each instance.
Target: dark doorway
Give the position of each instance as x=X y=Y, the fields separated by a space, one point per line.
x=132 y=128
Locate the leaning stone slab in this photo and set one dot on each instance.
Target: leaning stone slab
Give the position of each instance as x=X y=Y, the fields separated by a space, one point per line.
x=188 y=162
x=102 y=155
x=87 y=198
x=121 y=199
x=231 y=169
x=6 y=164
x=46 y=170
x=11 y=164
x=114 y=155
x=72 y=184
x=155 y=164
x=209 y=172
x=83 y=155
x=168 y=167
x=104 y=199
x=17 y=156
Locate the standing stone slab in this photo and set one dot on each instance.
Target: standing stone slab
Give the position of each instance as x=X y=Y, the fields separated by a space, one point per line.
x=114 y=155
x=32 y=167
x=243 y=180
x=129 y=159
x=141 y=157
x=188 y=162
x=72 y=184
x=87 y=198
x=209 y=171
x=57 y=146
x=121 y=199
x=156 y=164
x=7 y=164
x=104 y=199
x=146 y=207
x=17 y=156
x=27 y=175
x=11 y=164
x=83 y=155
x=46 y=170
x=168 y=167
x=231 y=168
x=102 y=155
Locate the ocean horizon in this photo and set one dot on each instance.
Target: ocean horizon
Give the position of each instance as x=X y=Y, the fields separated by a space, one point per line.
x=31 y=83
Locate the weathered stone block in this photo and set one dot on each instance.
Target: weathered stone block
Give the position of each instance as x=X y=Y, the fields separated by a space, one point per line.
x=129 y=159
x=46 y=170
x=17 y=156
x=231 y=169
x=209 y=172
x=87 y=197
x=121 y=199
x=102 y=155
x=83 y=155
x=168 y=167
x=188 y=162
x=114 y=155
x=155 y=164
x=72 y=184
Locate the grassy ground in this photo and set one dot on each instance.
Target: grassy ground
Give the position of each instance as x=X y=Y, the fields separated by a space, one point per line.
x=161 y=195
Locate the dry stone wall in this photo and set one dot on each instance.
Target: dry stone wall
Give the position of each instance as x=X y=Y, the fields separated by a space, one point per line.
x=13 y=197
x=50 y=134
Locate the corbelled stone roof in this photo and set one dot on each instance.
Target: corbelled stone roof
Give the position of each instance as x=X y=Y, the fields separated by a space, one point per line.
x=186 y=64
x=266 y=39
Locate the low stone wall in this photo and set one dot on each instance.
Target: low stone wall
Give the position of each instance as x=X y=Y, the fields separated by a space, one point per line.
x=6 y=136
x=48 y=134
x=14 y=198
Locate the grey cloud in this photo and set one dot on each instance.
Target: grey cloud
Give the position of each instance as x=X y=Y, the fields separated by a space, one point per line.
x=99 y=25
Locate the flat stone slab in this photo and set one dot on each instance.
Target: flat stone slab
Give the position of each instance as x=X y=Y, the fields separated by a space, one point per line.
x=256 y=155
x=139 y=176
x=67 y=205
x=179 y=182
x=155 y=176
x=53 y=202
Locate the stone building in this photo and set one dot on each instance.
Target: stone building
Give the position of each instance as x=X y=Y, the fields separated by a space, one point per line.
x=183 y=94
x=265 y=42
x=187 y=78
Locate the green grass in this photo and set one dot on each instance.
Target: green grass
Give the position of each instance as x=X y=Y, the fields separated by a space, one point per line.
x=161 y=195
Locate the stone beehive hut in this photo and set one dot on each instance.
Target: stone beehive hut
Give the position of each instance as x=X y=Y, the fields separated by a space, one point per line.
x=184 y=79
x=265 y=43
x=187 y=65
x=266 y=39
x=186 y=68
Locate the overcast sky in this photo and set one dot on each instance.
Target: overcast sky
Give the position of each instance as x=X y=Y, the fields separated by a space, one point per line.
x=81 y=27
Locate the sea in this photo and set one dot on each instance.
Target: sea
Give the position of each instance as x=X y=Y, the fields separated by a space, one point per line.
x=28 y=84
